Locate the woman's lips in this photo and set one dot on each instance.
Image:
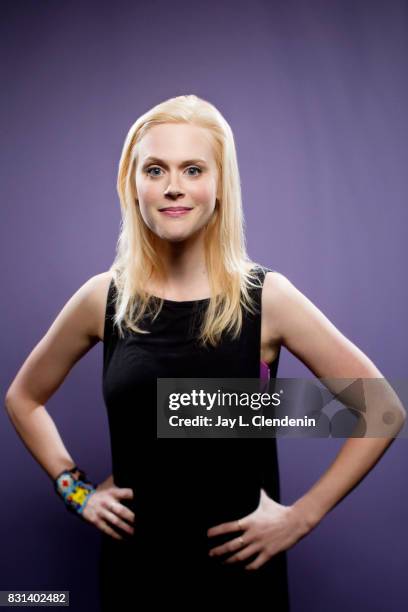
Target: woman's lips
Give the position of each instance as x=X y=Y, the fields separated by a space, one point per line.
x=176 y=212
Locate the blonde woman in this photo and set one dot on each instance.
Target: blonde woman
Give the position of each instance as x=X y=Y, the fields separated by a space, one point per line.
x=194 y=519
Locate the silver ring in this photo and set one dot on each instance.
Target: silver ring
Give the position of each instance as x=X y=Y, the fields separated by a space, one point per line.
x=241 y=541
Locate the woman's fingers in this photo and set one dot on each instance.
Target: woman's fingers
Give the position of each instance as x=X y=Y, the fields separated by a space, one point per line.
x=243 y=554
x=257 y=563
x=231 y=546
x=239 y=525
x=122 y=512
x=118 y=522
x=103 y=526
x=117 y=508
x=124 y=492
x=104 y=510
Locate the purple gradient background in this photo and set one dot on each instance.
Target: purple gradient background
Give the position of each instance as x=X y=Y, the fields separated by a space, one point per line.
x=316 y=94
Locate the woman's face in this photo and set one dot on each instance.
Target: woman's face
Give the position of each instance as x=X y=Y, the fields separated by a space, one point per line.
x=176 y=168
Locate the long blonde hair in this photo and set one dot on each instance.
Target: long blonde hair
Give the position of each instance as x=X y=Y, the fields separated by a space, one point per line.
x=225 y=252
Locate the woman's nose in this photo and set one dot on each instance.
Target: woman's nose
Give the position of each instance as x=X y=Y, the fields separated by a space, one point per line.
x=172 y=192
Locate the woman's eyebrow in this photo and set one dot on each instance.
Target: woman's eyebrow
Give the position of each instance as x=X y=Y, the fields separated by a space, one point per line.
x=157 y=160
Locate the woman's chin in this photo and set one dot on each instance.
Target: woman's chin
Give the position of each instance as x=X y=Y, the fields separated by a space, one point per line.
x=178 y=235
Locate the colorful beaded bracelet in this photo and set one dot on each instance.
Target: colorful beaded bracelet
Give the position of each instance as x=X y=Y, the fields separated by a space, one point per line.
x=75 y=491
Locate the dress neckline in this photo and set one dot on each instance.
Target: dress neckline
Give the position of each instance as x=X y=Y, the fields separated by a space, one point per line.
x=182 y=303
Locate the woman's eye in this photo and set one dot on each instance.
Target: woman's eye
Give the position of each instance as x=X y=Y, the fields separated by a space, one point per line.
x=152 y=168
x=149 y=170
x=195 y=168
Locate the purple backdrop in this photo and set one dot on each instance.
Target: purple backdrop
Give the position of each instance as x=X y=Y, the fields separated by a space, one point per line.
x=316 y=94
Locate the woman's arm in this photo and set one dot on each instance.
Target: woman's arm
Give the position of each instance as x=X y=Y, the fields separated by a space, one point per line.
x=77 y=328
x=305 y=331
x=73 y=333
x=297 y=324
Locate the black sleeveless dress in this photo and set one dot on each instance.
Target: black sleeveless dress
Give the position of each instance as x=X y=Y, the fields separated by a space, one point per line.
x=182 y=487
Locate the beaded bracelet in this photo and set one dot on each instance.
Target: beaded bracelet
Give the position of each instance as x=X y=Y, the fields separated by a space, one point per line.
x=75 y=491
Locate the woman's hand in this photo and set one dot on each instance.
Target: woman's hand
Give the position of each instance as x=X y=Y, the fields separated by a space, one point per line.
x=104 y=509
x=270 y=529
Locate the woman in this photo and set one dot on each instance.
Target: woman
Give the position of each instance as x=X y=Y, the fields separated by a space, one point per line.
x=200 y=517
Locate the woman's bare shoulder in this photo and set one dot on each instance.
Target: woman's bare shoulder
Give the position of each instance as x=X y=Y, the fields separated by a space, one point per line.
x=98 y=295
x=275 y=288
